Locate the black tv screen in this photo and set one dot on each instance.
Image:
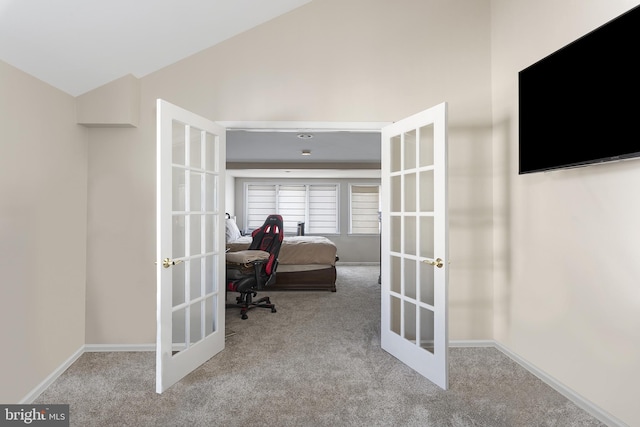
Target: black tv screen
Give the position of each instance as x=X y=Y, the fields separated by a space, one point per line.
x=581 y=104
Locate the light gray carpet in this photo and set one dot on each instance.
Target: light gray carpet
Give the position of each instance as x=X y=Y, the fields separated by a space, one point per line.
x=316 y=362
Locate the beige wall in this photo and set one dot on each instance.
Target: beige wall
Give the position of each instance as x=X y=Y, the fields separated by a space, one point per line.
x=567 y=280
x=43 y=202
x=371 y=61
x=121 y=286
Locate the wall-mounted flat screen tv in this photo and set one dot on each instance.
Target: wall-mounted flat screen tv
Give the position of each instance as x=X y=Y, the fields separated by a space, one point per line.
x=581 y=104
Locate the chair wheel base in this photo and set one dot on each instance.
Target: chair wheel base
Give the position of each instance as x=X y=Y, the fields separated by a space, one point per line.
x=245 y=304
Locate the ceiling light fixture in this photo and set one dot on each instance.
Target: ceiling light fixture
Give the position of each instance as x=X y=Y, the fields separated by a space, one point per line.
x=304 y=136
x=306 y=152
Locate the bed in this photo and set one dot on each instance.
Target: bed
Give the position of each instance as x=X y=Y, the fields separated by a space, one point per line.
x=304 y=262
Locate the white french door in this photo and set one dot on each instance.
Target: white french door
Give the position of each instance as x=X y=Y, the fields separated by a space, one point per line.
x=415 y=243
x=190 y=242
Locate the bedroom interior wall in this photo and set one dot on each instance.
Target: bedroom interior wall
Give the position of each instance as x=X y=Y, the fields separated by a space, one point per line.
x=379 y=62
x=566 y=242
x=43 y=202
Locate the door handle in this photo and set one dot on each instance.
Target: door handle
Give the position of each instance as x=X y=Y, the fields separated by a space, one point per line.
x=435 y=262
x=168 y=262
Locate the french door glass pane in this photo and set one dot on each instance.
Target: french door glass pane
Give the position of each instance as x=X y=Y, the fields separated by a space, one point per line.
x=178 y=329
x=210 y=196
x=395 y=314
x=395 y=151
x=178 y=241
x=195 y=279
x=410 y=318
x=195 y=323
x=210 y=230
x=396 y=194
x=208 y=314
x=210 y=271
x=410 y=235
x=396 y=233
x=179 y=197
x=396 y=274
x=426 y=191
x=426 y=145
x=211 y=153
x=196 y=194
x=195 y=149
x=426 y=237
x=178 y=282
x=426 y=283
x=427 y=329
x=410 y=192
x=195 y=234
x=178 y=147
x=410 y=150
x=410 y=278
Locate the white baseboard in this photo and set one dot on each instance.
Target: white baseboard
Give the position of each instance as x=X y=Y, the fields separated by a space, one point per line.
x=33 y=394
x=472 y=343
x=576 y=398
x=96 y=348
x=339 y=263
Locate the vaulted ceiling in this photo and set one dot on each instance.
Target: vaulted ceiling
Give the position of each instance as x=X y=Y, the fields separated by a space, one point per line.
x=79 y=45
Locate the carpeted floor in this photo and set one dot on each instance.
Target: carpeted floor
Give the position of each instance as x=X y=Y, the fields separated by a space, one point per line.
x=316 y=362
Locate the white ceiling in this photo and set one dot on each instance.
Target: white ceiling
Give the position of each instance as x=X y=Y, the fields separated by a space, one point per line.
x=79 y=45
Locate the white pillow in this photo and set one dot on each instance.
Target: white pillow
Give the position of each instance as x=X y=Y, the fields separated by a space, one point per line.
x=232 y=230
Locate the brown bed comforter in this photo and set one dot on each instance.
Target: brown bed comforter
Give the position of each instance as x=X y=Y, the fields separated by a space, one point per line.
x=297 y=250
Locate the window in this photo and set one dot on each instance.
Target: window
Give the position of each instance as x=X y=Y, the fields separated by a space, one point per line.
x=314 y=204
x=364 y=204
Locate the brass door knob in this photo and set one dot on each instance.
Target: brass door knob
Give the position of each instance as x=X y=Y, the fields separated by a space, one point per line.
x=435 y=262
x=168 y=262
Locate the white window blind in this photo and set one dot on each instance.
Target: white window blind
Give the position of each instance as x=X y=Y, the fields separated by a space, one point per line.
x=323 y=209
x=315 y=205
x=365 y=208
x=292 y=205
x=260 y=203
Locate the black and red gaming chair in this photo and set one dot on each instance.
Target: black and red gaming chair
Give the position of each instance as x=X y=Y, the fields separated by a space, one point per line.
x=253 y=269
